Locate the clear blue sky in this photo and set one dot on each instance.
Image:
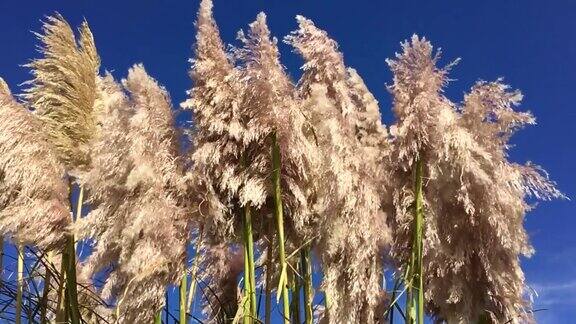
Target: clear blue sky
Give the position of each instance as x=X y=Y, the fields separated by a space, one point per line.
x=531 y=43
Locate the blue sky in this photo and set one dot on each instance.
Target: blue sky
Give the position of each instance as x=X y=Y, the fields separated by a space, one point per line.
x=532 y=44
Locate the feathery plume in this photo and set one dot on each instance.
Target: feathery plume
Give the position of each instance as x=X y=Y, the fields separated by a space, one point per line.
x=34 y=206
x=353 y=229
x=138 y=223
x=63 y=90
x=276 y=127
x=218 y=134
x=270 y=104
x=155 y=234
x=473 y=196
x=105 y=179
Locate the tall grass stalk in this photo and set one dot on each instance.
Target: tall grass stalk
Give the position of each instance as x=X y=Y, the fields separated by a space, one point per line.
x=158 y=317
x=327 y=305
x=306 y=272
x=246 y=297
x=415 y=289
x=279 y=216
x=69 y=260
x=46 y=289
x=183 y=285
x=61 y=304
x=19 y=284
x=268 y=293
x=194 y=273
x=249 y=276
x=249 y=269
x=79 y=205
x=296 y=288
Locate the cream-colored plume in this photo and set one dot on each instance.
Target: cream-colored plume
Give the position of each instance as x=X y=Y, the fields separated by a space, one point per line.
x=353 y=228
x=138 y=223
x=271 y=105
x=474 y=197
x=34 y=207
x=219 y=130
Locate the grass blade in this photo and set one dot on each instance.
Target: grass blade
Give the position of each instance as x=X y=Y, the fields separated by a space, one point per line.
x=20 y=284
x=279 y=216
x=183 y=284
x=306 y=269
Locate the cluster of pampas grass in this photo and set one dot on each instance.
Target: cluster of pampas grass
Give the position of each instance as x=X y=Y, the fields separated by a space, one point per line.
x=349 y=207
x=138 y=223
x=473 y=196
x=279 y=173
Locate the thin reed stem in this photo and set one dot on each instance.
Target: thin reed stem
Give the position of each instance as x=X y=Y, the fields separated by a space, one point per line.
x=69 y=256
x=79 y=205
x=415 y=299
x=278 y=213
x=46 y=290
x=246 y=299
x=158 y=317
x=194 y=272
x=268 y=297
x=419 y=238
x=183 y=285
x=327 y=307
x=295 y=305
x=71 y=286
x=19 y=284
x=249 y=276
x=61 y=305
x=306 y=271
x=250 y=307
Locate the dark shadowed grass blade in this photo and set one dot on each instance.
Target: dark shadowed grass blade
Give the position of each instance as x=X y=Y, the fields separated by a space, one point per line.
x=306 y=271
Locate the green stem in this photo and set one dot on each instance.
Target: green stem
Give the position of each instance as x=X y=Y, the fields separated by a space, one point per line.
x=46 y=290
x=268 y=297
x=70 y=254
x=296 y=284
x=420 y=239
x=19 y=284
x=183 y=284
x=250 y=276
x=246 y=299
x=278 y=213
x=250 y=309
x=71 y=285
x=193 y=273
x=415 y=299
x=410 y=305
x=158 y=317
x=327 y=306
x=61 y=305
x=306 y=270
